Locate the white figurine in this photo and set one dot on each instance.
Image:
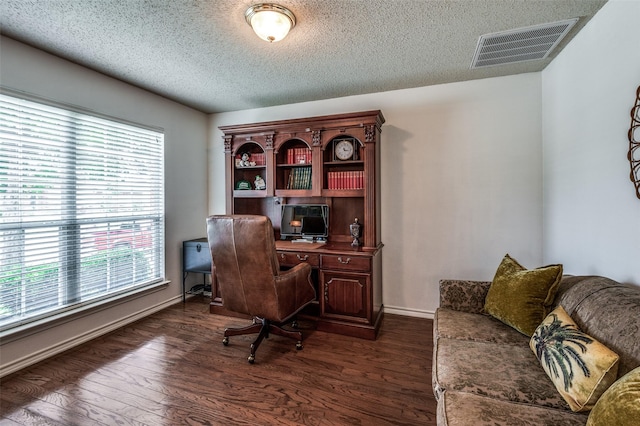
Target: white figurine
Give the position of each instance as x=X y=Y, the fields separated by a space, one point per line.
x=259 y=183
x=244 y=159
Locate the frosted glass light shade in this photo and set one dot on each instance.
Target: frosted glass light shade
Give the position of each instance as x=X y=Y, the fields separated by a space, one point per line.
x=270 y=22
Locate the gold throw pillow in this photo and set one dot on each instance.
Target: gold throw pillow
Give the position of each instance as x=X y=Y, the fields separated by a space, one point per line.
x=620 y=404
x=522 y=297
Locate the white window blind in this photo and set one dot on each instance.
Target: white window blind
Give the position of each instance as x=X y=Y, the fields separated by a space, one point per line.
x=81 y=209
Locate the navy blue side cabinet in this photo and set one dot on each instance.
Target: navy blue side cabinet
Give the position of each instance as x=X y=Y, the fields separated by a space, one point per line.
x=196 y=258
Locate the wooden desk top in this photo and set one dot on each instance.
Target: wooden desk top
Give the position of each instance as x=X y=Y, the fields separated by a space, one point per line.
x=327 y=248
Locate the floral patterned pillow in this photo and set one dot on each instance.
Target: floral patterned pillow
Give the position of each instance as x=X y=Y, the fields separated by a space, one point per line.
x=580 y=367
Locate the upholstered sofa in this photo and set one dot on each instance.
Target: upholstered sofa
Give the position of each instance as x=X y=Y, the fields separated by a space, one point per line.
x=485 y=373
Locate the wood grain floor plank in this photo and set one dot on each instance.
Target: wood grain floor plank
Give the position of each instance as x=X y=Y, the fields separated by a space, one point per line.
x=172 y=369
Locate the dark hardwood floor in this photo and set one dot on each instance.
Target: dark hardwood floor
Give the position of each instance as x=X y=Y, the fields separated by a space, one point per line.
x=172 y=369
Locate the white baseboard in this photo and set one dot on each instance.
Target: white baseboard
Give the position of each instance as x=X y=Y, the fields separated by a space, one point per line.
x=60 y=347
x=396 y=310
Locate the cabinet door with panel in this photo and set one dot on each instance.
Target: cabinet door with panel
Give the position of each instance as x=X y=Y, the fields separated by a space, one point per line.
x=345 y=296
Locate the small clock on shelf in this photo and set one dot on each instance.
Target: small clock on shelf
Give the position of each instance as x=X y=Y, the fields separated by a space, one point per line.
x=344 y=150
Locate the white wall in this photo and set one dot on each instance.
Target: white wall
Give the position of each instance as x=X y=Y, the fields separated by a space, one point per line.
x=591 y=212
x=461 y=179
x=26 y=69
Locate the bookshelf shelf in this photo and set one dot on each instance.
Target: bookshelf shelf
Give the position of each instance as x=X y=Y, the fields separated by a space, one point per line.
x=344 y=163
x=249 y=193
x=294 y=193
x=347 y=193
x=251 y=168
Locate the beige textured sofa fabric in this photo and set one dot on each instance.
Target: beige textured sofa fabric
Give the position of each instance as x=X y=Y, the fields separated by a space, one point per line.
x=484 y=372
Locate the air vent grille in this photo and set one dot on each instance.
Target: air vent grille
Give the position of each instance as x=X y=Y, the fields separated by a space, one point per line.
x=520 y=45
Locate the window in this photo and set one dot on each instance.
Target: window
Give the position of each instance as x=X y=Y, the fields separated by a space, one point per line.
x=81 y=209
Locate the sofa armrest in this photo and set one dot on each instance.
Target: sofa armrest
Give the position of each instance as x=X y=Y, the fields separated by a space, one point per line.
x=463 y=295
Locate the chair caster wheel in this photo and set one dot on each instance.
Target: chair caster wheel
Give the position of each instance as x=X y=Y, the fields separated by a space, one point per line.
x=299 y=345
x=225 y=341
x=251 y=359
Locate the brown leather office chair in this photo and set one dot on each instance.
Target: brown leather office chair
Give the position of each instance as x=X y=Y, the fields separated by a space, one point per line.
x=243 y=254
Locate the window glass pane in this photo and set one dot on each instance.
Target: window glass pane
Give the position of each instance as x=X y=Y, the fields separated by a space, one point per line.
x=81 y=209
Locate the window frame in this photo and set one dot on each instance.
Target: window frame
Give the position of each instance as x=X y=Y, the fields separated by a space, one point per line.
x=69 y=231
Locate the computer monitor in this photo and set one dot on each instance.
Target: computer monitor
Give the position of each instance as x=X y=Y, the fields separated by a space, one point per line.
x=308 y=221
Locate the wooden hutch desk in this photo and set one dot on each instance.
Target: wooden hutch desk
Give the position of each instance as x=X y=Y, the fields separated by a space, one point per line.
x=348 y=279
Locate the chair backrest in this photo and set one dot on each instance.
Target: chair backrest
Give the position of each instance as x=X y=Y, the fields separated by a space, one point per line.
x=243 y=252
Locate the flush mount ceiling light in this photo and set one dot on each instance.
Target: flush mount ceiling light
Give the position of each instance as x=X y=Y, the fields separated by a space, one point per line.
x=271 y=22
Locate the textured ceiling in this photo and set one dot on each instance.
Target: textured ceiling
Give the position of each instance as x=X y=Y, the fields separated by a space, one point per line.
x=203 y=54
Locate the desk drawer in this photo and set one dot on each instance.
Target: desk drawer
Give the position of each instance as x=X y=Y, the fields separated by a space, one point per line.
x=288 y=258
x=346 y=263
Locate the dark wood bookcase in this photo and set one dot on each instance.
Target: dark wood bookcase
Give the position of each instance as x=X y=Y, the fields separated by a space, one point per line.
x=297 y=162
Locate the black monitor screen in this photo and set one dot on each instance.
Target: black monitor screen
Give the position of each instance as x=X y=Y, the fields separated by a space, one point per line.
x=304 y=220
x=313 y=226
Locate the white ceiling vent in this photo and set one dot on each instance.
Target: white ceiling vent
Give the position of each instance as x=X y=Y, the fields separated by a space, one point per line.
x=520 y=45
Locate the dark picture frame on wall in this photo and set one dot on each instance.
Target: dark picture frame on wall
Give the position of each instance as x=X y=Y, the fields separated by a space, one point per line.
x=634 y=143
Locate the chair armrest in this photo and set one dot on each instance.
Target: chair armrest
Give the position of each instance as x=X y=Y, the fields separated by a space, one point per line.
x=294 y=290
x=463 y=295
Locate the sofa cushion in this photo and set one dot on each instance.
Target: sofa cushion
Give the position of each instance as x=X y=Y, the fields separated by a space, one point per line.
x=612 y=316
x=461 y=295
x=481 y=328
x=580 y=367
x=522 y=297
x=573 y=290
x=619 y=405
x=507 y=372
x=464 y=409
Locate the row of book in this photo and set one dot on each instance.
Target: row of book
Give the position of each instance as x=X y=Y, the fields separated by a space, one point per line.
x=299 y=178
x=247 y=159
x=345 y=180
x=298 y=156
x=260 y=158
